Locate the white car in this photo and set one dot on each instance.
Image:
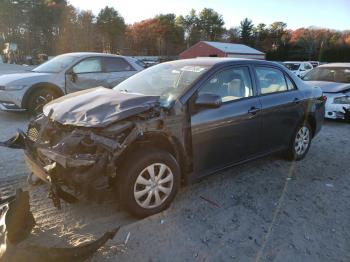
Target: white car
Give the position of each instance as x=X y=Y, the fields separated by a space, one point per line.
x=334 y=80
x=299 y=68
x=62 y=75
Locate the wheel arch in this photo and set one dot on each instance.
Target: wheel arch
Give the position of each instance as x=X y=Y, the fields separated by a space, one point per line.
x=160 y=141
x=38 y=86
x=312 y=122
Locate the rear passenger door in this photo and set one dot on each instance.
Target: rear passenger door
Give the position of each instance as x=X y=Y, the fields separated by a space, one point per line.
x=282 y=108
x=117 y=69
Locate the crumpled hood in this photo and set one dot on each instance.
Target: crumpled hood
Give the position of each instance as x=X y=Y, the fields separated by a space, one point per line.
x=330 y=87
x=98 y=107
x=23 y=78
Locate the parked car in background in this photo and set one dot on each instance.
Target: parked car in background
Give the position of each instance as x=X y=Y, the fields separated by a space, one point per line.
x=178 y=120
x=334 y=80
x=62 y=75
x=299 y=68
x=314 y=63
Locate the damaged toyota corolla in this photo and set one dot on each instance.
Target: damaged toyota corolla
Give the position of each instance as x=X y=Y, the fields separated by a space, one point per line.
x=174 y=122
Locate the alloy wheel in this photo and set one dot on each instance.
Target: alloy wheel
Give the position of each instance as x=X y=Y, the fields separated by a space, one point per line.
x=40 y=101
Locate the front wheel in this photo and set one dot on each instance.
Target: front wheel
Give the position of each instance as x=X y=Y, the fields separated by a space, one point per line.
x=148 y=182
x=39 y=98
x=301 y=142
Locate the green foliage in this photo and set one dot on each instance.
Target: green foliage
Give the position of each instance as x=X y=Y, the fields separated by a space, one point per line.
x=211 y=24
x=246 y=30
x=112 y=26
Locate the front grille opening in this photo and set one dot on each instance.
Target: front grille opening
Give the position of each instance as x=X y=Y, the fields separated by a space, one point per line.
x=33 y=134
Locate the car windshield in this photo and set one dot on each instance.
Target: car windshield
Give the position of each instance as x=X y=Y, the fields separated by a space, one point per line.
x=329 y=74
x=292 y=66
x=55 y=65
x=167 y=80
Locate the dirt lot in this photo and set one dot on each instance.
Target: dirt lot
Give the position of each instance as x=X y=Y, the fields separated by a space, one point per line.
x=266 y=210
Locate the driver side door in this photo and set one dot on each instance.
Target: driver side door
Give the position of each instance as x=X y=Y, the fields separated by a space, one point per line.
x=86 y=74
x=229 y=133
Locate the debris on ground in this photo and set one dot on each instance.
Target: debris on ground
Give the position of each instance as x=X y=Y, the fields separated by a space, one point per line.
x=210 y=201
x=19 y=223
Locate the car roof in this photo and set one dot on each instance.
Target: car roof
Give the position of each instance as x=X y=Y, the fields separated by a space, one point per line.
x=214 y=61
x=336 y=65
x=87 y=54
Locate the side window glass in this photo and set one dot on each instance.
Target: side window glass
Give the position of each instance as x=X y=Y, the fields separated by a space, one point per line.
x=116 y=65
x=270 y=80
x=290 y=84
x=90 y=65
x=308 y=67
x=230 y=84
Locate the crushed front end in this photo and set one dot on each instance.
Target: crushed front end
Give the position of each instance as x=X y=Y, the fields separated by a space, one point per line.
x=73 y=160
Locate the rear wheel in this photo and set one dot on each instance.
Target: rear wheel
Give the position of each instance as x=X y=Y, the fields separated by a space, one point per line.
x=301 y=142
x=39 y=98
x=148 y=183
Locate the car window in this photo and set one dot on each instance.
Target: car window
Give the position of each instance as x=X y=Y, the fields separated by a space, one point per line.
x=89 y=65
x=292 y=66
x=270 y=80
x=329 y=74
x=230 y=84
x=307 y=66
x=116 y=65
x=290 y=84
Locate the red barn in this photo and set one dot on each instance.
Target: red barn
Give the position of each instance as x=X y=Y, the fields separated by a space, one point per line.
x=218 y=49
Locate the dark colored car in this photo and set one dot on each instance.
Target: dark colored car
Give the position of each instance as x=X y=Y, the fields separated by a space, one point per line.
x=173 y=122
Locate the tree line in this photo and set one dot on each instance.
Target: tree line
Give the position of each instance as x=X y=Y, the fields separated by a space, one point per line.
x=54 y=27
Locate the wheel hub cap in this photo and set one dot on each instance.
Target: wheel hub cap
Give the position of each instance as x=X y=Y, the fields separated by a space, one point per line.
x=302 y=140
x=153 y=185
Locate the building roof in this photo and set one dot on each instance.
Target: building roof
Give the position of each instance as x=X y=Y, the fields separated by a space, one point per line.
x=234 y=48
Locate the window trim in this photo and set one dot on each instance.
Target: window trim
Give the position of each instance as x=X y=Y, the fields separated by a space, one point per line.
x=257 y=82
x=286 y=76
x=229 y=68
x=107 y=57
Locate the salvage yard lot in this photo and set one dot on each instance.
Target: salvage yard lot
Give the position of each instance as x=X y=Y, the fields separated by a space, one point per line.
x=267 y=210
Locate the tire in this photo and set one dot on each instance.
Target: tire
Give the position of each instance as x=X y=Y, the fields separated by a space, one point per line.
x=300 y=143
x=39 y=98
x=137 y=191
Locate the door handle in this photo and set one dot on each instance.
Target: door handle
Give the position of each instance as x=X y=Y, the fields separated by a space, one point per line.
x=253 y=110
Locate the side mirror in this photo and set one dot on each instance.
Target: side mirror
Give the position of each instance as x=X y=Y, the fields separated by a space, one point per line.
x=208 y=100
x=73 y=76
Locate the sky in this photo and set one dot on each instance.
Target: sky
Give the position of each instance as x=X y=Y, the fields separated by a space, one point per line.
x=334 y=14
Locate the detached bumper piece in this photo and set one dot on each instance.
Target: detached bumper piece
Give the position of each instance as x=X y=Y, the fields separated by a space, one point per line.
x=19 y=223
x=16 y=142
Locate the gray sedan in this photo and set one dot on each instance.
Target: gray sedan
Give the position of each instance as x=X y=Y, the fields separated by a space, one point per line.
x=63 y=74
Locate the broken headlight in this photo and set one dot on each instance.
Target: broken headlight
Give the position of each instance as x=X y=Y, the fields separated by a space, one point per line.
x=342 y=100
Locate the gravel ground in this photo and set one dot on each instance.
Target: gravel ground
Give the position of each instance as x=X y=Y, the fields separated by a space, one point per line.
x=265 y=210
